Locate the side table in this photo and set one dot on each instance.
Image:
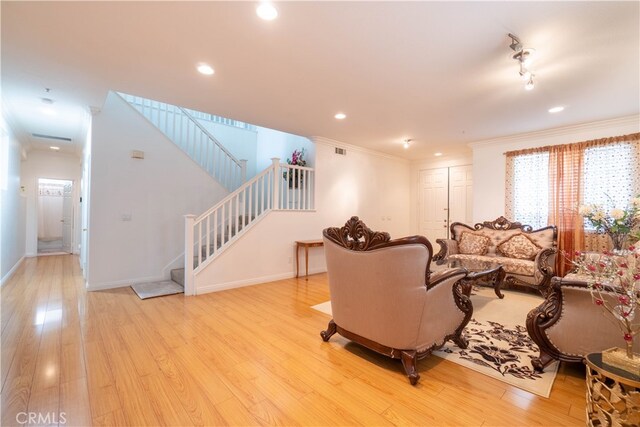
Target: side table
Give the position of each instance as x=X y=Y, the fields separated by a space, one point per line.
x=613 y=395
x=306 y=244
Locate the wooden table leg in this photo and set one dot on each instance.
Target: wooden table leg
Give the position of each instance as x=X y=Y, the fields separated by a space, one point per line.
x=297 y=264
x=306 y=262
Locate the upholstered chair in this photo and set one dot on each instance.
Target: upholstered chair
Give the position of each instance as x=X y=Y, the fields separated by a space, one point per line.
x=384 y=297
x=568 y=325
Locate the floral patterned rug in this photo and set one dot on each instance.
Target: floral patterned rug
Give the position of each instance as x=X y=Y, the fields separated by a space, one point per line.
x=499 y=345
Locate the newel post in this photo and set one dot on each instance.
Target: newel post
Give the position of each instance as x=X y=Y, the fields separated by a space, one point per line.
x=276 y=183
x=243 y=171
x=189 y=221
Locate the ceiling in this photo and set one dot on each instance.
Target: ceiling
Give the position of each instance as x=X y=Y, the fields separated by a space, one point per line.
x=440 y=73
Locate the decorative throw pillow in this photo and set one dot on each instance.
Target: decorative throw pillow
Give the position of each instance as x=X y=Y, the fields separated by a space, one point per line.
x=473 y=244
x=519 y=246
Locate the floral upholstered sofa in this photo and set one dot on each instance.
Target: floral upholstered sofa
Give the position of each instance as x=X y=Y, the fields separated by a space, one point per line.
x=527 y=256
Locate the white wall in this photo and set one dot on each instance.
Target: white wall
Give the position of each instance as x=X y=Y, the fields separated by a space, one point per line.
x=425 y=164
x=155 y=192
x=241 y=143
x=54 y=165
x=372 y=186
x=489 y=164
x=12 y=203
x=85 y=194
x=273 y=143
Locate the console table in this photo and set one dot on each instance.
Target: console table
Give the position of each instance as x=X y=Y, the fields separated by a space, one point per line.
x=306 y=244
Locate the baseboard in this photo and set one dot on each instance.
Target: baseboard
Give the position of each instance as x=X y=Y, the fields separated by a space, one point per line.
x=10 y=272
x=122 y=283
x=251 y=282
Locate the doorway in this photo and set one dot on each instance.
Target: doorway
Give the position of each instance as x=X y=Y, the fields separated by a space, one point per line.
x=55 y=216
x=445 y=197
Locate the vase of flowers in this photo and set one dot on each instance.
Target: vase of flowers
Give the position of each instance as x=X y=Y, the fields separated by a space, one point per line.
x=621 y=225
x=295 y=176
x=618 y=275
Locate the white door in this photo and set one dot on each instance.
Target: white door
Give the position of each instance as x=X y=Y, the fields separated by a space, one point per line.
x=460 y=196
x=433 y=188
x=67 y=219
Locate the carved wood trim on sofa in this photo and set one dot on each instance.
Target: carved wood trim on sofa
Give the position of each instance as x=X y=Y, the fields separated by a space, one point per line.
x=356 y=236
x=545 y=268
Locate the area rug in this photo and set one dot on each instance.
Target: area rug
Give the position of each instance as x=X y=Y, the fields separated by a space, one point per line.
x=157 y=289
x=499 y=345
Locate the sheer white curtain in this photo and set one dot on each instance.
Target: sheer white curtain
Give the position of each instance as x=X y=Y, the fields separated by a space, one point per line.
x=527 y=189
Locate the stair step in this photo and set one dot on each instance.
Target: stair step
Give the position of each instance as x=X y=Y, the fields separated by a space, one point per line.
x=177 y=275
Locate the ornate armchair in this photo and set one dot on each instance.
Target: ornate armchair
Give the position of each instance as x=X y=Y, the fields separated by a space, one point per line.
x=527 y=256
x=384 y=297
x=568 y=325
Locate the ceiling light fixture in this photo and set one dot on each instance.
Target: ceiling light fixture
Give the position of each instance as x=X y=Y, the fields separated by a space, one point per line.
x=407 y=143
x=524 y=56
x=438 y=154
x=205 y=69
x=556 y=109
x=340 y=116
x=267 y=11
x=54 y=148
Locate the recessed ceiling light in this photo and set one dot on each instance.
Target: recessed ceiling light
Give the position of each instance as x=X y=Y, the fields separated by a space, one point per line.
x=48 y=111
x=556 y=109
x=438 y=154
x=340 y=116
x=267 y=12
x=205 y=69
x=407 y=144
x=54 y=148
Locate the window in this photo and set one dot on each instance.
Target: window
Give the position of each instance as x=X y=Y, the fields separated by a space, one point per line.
x=608 y=173
x=610 y=178
x=530 y=189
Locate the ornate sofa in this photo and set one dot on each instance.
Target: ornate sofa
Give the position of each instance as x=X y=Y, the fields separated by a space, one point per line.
x=384 y=297
x=568 y=325
x=527 y=256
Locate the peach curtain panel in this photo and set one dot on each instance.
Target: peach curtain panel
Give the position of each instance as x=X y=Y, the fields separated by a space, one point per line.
x=565 y=195
x=566 y=190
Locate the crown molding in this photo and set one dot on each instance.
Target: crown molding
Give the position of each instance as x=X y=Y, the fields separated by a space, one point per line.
x=631 y=121
x=321 y=140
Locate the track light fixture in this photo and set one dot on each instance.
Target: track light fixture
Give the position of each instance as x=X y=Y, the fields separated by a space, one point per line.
x=524 y=56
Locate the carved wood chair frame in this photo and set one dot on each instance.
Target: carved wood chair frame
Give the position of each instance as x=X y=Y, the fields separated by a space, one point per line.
x=356 y=236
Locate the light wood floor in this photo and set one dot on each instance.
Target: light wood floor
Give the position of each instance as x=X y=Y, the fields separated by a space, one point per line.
x=249 y=356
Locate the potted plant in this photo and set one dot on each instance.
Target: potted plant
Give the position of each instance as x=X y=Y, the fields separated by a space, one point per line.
x=295 y=176
x=619 y=224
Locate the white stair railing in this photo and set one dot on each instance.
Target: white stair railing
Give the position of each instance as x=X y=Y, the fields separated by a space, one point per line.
x=178 y=124
x=279 y=187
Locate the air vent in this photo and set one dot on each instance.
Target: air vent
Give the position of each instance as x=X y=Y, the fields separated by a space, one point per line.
x=57 y=138
x=341 y=151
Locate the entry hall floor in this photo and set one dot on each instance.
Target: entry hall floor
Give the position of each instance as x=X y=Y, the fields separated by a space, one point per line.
x=247 y=356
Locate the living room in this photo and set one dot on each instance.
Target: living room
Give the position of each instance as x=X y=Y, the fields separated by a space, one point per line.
x=423 y=86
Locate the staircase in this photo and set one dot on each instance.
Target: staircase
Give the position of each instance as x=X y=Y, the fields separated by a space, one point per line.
x=280 y=187
x=183 y=129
